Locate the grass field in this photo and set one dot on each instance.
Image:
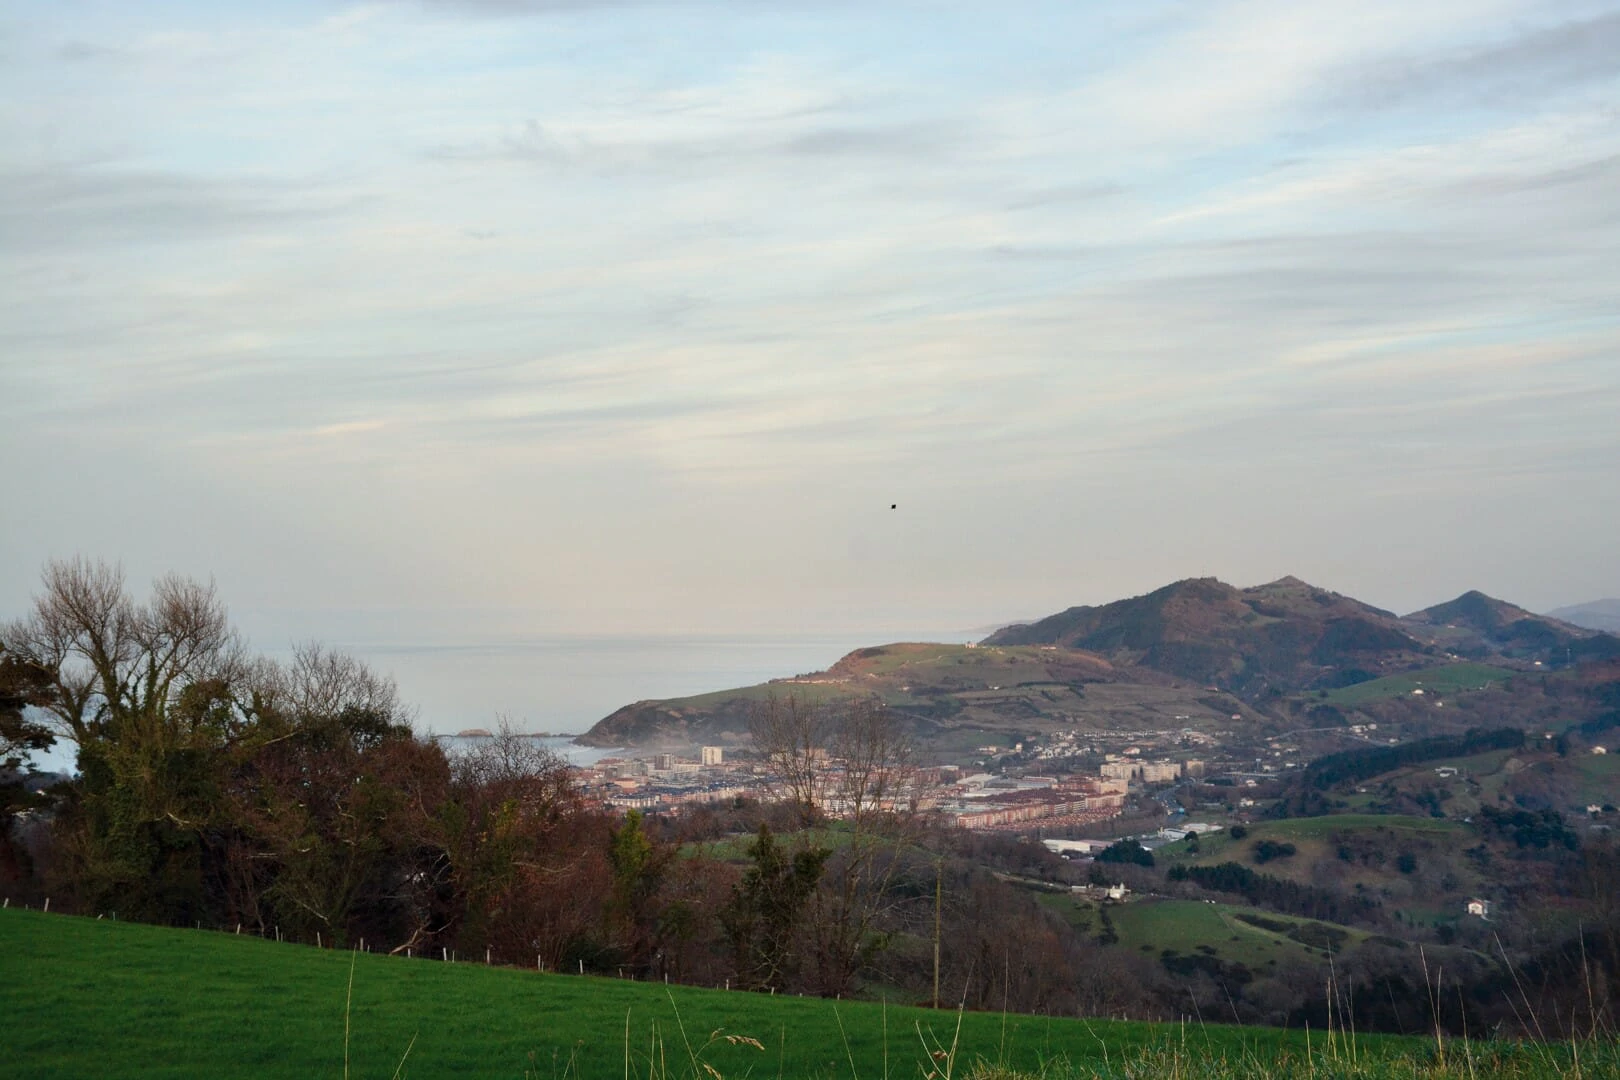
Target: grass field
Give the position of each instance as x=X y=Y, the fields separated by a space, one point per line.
x=1193 y=926
x=1599 y=777
x=1220 y=846
x=96 y=998
x=87 y=997
x=1188 y=926
x=1439 y=875
x=1332 y=823
x=1445 y=679
x=810 y=693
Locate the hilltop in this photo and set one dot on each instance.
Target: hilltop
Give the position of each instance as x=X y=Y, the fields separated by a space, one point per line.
x=1197 y=654
x=1597 y=615
x=1289 y=636
x=948 y=695
x=1285 y=635
x=1479 y=627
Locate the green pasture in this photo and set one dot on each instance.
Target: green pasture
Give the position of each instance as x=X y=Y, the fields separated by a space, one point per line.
x=1443 y=680
x=86 y=997
x=811 y=693
x=100 y=998
x=1317 y=827
x=1436 y=841
x=992 y=660
x=1218 y=847
x=1599 y=776
x=1189 y=926
x=1230 y=932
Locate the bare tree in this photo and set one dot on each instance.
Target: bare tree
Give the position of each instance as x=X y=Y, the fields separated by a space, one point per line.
x=116 y=664
x=167 y=712
x=510 y=765
x=791 y=734
x=850 y=762
x=875 y=777
x=320 y=686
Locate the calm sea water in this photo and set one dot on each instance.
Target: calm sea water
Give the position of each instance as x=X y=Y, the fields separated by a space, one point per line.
x=560 y=744
x=564 y=685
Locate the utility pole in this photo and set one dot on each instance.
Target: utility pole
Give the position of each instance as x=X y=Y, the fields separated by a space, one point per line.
x=939 y=867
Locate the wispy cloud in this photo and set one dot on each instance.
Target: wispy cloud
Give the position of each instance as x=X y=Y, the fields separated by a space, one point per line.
x=721 y=277
x=79 y=206
x=1508 y=72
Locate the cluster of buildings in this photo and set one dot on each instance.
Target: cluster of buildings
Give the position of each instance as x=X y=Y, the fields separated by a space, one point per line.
x=992 y=803
x=1152 y=841
x=668 y=781
x=1150 y=772
x=971 y=800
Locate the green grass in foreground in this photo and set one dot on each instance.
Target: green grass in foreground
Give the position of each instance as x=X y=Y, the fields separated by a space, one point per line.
x=84 y=997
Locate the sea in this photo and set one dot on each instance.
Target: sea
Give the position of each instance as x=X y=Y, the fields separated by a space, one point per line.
x=563 y=684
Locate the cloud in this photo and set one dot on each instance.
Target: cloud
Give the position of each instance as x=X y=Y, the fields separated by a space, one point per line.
x=512 y=8
x=75 y=52
x=1528 y=67
x=73 y=206
x=348 y=427
x=606 y=147
x=1466 y=173
x=1092 y=275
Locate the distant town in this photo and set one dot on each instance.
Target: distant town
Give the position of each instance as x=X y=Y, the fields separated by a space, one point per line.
x=1059 y=785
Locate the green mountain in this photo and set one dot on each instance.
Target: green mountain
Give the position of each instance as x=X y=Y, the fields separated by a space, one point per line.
x=950 y=695
x=1477 y=626
x=1271 y=639
x=1195 y=654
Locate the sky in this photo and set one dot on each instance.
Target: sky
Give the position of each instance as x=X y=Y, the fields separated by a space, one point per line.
x=438 y=320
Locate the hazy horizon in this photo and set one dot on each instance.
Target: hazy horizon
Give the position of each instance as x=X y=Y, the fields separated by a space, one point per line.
x=454 y=319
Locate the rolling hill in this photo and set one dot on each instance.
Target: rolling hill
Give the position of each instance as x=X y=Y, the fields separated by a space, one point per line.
x=1288 y=636
x=1284 y=636
x=1194 y=654
x=1598 y=615
x=948 y=695
x=1477 y=626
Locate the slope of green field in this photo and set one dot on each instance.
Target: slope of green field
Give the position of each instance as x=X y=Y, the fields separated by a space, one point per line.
x=1414 y=865
x=1445 y=679
x=1224 y=930
x=1229 y=932
x=1292 y=828
x=97 y=998
x=86 y=997
x=1220 y=846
